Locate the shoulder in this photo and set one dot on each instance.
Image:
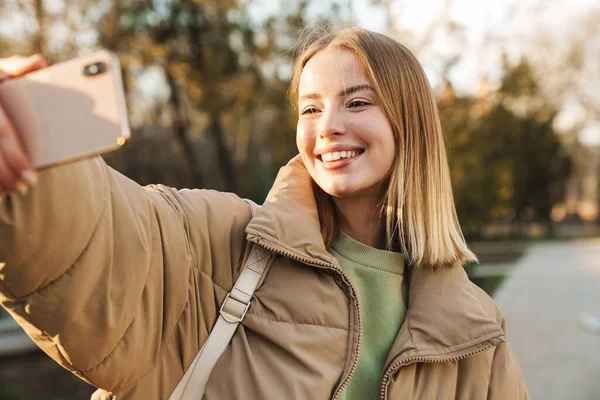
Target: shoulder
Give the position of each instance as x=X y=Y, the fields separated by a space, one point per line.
x=208 y=207
x=489 y=305
x=212 y=222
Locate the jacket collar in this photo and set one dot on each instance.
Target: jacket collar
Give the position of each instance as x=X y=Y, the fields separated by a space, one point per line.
x=288 y=219
x=444 y=314
x=445 y=317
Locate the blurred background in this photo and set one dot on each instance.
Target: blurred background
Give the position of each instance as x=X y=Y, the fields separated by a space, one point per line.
x=518 y=89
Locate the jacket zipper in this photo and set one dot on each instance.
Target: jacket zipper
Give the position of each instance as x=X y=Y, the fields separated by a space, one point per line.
x=316 y=263
x=432 y=359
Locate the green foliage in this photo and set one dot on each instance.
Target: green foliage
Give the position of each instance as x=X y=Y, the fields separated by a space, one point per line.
x=11 y=393
x=519 y=81
x=506 y=160
x=218 y=71
x=225 y=120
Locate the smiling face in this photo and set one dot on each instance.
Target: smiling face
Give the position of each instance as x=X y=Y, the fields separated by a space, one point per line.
x=343 y=135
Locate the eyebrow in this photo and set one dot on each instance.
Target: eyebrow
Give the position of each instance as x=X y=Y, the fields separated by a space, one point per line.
x=343 y=93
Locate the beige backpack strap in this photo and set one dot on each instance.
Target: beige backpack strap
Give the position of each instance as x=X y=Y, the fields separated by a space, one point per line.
x=233 y=311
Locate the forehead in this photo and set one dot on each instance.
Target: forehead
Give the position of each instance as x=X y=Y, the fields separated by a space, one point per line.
x=331 y=70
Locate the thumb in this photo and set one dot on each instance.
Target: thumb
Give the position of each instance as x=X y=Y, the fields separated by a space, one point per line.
x=3 y=76
x=17 y=66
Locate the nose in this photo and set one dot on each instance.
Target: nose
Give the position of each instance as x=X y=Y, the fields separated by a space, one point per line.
x=331 y=123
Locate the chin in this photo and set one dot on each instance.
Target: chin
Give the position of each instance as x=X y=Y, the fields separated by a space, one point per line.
x=339 y=190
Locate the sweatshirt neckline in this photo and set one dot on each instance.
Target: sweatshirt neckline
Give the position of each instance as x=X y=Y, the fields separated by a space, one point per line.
x=359 y=253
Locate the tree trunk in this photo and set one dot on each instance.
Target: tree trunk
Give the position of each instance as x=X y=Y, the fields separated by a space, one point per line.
x=181 y=128
x=38 y=40
x=112 y=26
x=223 y=153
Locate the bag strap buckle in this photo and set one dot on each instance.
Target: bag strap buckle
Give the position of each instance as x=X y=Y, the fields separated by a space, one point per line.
x=234 y=310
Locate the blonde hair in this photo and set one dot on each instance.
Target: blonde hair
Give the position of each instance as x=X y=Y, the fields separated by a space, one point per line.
x=418 y=207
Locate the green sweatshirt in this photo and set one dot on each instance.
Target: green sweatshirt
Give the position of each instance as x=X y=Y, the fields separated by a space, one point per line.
x=379 y=280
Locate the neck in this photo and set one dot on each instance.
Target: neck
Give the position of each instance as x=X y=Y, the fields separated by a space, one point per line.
x=360 y=219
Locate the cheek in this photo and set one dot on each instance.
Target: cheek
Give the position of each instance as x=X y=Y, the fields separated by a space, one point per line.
x=304 y=141
x=383 y=135
x=390 y=151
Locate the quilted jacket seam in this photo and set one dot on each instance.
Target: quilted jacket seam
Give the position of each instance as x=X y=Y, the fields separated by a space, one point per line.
x=184 y=221
x=23 y=299
x=161 y=355
x=296 y=323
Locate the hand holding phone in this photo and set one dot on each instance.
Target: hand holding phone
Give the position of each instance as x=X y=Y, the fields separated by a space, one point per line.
x=54 y=115
x=16 y=169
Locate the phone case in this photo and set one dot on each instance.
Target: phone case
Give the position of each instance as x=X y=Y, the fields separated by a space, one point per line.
x=69 y=111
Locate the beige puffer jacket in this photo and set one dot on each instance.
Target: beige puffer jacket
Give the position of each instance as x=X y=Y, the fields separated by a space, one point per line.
x=121 y=285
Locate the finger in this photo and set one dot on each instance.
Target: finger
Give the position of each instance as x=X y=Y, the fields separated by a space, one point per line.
x=3 y=76
x=17 y=163
x=17 y=66
x=12 y=155
x=11 y=146
x=8 y=179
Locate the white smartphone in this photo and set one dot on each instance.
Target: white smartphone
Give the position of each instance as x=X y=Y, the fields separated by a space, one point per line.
x=69 y=111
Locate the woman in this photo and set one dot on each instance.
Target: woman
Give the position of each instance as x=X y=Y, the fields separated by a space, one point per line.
x=366 y=297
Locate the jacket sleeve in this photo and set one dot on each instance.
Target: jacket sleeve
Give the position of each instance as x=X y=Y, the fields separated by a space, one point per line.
x=506 y=378
x=103 y=274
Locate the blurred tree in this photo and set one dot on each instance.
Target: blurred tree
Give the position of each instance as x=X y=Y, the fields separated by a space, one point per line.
x=226 y=78
x=219 y=82
x=541 y=165
x=476 y=156
x=506 y=160
x=190 y=42
x=570 y=70
x=40 y=17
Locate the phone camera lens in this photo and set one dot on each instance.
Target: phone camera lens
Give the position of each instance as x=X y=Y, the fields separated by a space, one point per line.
x=94 y=69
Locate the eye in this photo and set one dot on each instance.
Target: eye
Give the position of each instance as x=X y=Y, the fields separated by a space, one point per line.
x=309 y=110
x=358 y=103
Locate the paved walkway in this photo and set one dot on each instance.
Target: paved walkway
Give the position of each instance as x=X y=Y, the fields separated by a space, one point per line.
x=541 y=300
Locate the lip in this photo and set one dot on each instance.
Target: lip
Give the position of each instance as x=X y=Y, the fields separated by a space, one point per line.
x=337 y=147
x=339 y=164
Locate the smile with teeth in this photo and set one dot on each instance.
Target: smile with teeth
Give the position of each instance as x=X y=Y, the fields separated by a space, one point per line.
x=338 y=155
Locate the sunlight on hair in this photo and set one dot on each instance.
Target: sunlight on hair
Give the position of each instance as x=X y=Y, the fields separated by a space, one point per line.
x=419 y=212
